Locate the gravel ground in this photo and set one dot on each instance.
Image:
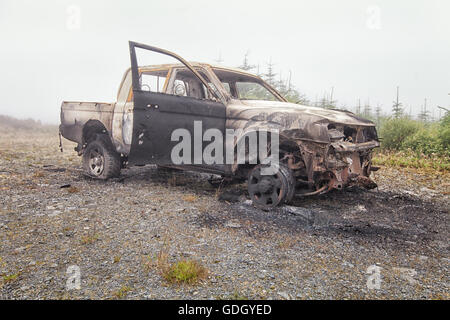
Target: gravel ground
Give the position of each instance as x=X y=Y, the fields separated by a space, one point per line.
x=318 y=248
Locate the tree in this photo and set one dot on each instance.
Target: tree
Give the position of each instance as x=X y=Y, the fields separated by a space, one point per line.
x=219 y=60
x=358 y=108
x=245 y=64
x=397 y=109
x=282 y=85
x=378 y=114
x=332 y=104
x=270 y=75
x=367 y=109
x=424 y=114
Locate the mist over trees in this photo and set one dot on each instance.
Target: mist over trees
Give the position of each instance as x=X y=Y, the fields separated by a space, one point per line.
x=283 y=84
x=423 y=135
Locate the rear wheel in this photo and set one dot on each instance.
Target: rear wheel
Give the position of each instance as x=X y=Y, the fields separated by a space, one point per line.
x=100 y=160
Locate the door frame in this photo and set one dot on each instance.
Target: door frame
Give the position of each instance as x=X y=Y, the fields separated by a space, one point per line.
x=135 y=68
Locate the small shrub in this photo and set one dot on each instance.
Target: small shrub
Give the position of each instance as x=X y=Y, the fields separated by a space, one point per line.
x=395 y=131
x=425 y=141
x=444 y=131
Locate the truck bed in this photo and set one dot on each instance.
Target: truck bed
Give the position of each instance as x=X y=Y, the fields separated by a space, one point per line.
x=74 y=115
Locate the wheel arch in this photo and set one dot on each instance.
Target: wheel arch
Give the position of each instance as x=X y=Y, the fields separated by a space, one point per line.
x=285 y=145
x=90 y=131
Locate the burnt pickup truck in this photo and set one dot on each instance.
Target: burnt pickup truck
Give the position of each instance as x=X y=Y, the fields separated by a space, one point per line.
x=317 y=149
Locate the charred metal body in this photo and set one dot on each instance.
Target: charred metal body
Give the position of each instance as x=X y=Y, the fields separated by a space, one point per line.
x=320 y=149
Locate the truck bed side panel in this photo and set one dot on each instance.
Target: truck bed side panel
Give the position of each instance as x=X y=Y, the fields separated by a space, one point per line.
x=74 y=115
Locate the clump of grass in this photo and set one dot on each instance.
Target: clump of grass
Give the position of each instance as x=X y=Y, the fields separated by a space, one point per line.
x=73 y=190
x=287 y=243
x=122 y=292
x=39 y=174
x=116 y=259
x=185 y=271
x=89 y=239
x=11 y=277
x=235 y=296
x=190 y=198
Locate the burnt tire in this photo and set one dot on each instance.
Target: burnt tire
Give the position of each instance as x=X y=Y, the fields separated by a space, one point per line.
x=100 y=160
x=291 y=182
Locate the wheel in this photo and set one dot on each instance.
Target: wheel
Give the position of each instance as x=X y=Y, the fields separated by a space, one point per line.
x=291 y=182
x=100 y=160
x=267 y=191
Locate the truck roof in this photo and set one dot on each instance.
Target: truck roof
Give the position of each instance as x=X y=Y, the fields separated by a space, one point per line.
x=196 y=64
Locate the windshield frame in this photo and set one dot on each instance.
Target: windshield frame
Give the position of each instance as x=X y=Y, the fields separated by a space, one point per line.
x=257 y=79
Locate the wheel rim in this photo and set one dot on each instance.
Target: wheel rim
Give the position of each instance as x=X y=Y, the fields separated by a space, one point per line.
x=96 y=162
x=266 y=191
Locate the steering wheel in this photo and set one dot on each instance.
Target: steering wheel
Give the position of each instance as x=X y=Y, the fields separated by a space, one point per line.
x=180 y=90
x=145 y=86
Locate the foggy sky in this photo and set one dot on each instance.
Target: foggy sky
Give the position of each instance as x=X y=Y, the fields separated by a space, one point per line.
x=363 y=49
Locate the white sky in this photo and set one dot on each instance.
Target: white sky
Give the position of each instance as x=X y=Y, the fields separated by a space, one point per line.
x=363 y=49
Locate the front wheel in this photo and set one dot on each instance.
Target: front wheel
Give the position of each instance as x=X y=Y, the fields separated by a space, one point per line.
x=100 y=160
x=268 y=191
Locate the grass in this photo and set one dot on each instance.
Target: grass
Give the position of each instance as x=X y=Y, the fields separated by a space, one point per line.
x=287 y=243
x=11 y=277
x=122 y=292
x=235 y=296
x=39 y=174
x=409 y=159
x=89 y=239
x=185 y=271
x=190 y=198
x=72 y=190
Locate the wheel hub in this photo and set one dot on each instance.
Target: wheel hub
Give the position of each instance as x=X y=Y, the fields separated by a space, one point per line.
x=266 y=192
x=265 y=185
x=96 y=162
